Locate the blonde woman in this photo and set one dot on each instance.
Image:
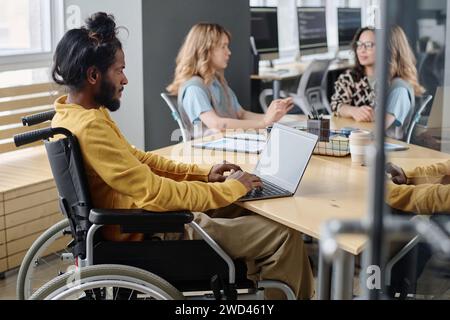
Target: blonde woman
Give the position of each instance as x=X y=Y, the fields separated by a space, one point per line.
x=203 y=93
x=404 y=85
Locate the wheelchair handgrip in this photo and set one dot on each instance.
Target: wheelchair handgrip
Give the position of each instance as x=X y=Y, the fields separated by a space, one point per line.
x=32 y=136
x=38 y=118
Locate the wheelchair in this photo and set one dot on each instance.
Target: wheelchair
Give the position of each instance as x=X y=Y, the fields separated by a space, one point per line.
x=150 y=269
x=42 y=261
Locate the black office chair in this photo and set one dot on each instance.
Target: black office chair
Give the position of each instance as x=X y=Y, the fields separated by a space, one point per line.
x=427 y=72
x=156 y=269
x=312 y=89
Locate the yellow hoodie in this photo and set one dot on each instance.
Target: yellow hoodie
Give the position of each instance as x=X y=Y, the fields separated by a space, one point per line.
x=427 y=191
x=123 y=177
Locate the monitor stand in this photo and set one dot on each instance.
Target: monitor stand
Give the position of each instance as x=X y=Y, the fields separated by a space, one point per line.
x=317 y=56
x=266 y=64
x=345 y=54
x=286 y=60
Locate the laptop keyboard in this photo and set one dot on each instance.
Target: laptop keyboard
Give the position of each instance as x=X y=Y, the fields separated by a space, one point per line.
x=269 y=190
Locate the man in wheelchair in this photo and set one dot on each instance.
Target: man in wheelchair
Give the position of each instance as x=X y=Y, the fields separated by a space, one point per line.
x=90 y=62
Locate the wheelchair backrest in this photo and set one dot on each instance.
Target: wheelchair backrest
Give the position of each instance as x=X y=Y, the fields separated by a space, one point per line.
x=66 y=163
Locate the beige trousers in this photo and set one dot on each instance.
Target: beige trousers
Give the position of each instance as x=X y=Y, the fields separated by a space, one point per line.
x=272 y=251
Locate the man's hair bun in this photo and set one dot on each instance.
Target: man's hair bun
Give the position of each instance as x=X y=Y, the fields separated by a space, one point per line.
x=102 y=26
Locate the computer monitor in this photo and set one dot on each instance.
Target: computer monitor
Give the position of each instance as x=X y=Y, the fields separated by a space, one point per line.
x=312 y=30
x=264 y=29
x=349 y=21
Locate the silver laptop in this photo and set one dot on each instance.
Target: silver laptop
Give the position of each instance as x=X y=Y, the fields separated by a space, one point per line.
x=282 y=163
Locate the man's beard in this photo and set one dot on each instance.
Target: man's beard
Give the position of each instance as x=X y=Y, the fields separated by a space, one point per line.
x=106 y=96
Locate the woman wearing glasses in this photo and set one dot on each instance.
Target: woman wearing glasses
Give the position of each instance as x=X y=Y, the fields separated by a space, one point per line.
x=354 y=91
x=354 y=95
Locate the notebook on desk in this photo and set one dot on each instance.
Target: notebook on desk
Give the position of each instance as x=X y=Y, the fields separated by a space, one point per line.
x=228 y=144
x=247 y=136
x=394 y=147
x=282 y=163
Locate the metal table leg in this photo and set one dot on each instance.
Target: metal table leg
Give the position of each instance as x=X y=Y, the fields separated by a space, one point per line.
x=324 y=279
x=342 y=282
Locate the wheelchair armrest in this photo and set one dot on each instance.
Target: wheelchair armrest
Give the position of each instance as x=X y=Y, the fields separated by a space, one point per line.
x=138 y=220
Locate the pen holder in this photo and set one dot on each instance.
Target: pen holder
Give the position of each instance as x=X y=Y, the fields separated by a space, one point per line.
x=319 y=127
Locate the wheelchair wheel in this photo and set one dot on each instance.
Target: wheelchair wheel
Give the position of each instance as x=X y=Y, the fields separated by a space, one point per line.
x=107 y=282
x=41 y=263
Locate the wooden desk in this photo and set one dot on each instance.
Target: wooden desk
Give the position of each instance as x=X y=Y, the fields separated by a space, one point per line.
x=331 y=188
x=290 y=71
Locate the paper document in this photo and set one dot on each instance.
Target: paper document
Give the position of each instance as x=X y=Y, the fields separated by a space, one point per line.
x=248 y=136
x=394 y=147
x=233 y=145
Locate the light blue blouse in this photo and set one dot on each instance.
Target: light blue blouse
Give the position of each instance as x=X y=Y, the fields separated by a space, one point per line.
x=400 y=103
x=197 y=101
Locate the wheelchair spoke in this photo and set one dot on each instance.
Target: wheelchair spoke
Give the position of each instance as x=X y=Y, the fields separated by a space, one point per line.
x=107 y=282
x=44 y=260
x=45 y=268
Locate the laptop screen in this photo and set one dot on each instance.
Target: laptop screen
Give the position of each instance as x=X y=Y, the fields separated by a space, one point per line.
x=285 y=157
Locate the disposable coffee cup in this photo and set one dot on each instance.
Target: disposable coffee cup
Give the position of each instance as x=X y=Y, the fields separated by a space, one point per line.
x=360 y=140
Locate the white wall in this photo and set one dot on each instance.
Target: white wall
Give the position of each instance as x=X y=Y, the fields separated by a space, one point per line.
x=130 y=116
x=332 y=22
x=287 y=28
x=371 y=13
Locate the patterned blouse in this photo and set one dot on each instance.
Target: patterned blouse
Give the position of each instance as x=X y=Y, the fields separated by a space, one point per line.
x=351 y=92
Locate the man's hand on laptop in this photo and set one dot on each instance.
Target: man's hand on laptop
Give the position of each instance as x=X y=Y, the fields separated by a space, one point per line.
x=217 y=172
x=250 y=181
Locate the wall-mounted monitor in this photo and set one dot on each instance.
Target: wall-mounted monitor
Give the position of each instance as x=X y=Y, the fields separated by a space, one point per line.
x=264 y=29
x=312 y=30
x=349 y=21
